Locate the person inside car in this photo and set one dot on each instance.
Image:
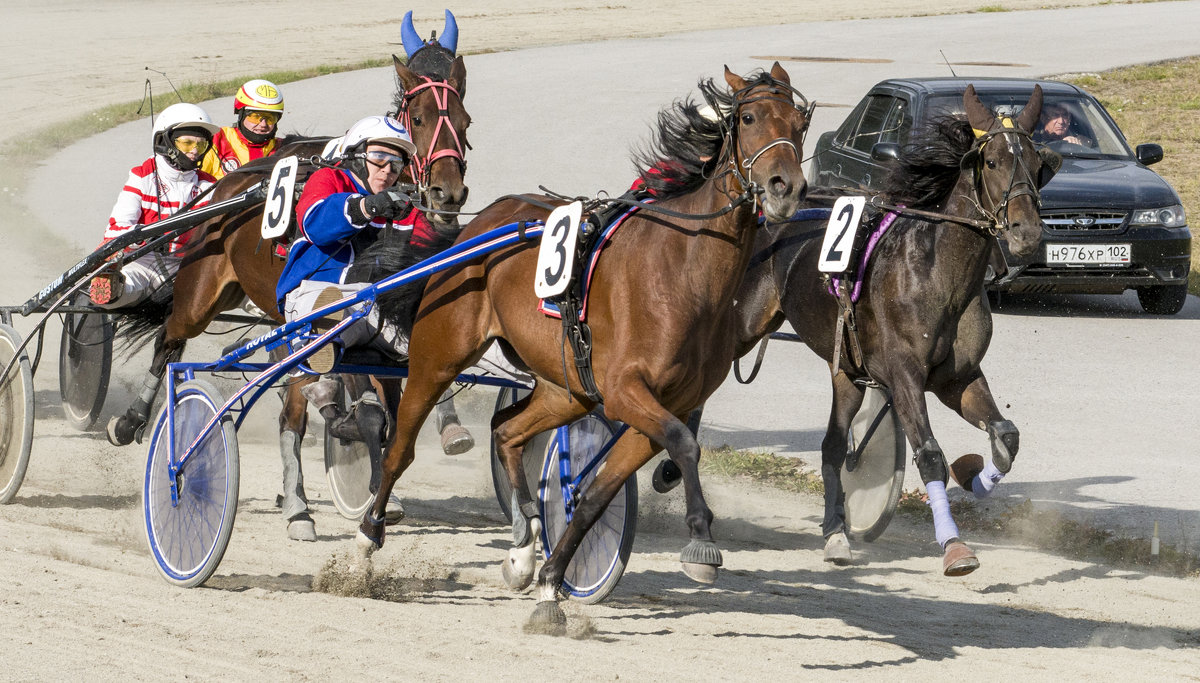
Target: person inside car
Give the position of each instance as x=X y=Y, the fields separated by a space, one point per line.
x=1055 y=126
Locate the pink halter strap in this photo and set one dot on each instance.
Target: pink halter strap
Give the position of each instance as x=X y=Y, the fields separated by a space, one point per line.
x=419 y=165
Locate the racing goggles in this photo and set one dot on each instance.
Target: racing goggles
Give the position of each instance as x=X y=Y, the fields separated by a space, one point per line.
x=381 y=159
x=257 y=117
x=190 y=144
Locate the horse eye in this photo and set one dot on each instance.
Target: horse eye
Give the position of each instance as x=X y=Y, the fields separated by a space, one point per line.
x=747 y=119
x=416 y=120
x=991 y=163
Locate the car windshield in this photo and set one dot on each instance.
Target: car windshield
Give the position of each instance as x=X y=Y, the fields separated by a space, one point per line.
x=1072 y=125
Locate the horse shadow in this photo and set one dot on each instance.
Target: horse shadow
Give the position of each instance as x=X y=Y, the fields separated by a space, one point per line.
x=924 y=628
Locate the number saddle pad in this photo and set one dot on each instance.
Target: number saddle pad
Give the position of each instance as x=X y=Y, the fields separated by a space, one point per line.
x=590 y=258
x=865 y=247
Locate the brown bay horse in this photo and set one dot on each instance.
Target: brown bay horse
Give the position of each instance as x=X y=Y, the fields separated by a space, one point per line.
x=922 y=321
x=659 y=309
x=227 y=259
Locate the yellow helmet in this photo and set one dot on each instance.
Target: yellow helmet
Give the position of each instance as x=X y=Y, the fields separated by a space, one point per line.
x=258 y=95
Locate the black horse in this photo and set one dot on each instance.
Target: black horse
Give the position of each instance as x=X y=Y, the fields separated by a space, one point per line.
x=920 y=322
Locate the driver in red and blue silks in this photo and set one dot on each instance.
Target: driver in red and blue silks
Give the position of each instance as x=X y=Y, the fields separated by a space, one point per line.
x=342 y=211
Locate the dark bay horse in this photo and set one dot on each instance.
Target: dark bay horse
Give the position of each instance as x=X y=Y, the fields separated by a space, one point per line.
x=659 y=308
x=228 y=260
x=922 y=321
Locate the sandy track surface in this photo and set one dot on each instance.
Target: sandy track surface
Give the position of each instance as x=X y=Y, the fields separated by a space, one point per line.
x=80 y=595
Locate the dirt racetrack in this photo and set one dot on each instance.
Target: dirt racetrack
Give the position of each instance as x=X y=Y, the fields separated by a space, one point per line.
x=80 y=598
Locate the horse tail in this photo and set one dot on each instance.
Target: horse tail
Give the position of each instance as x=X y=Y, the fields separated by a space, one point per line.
x=139 y=325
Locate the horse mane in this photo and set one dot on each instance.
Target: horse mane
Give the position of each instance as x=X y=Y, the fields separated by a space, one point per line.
x=686 y=144
x=390 y=254
x=928 y=168
x=432 y=61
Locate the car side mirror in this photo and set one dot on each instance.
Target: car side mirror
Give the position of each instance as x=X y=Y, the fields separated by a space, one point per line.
x=886 y=151
x=1149 y=153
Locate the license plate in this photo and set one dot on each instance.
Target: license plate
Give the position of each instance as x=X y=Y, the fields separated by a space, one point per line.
x=1088 y=254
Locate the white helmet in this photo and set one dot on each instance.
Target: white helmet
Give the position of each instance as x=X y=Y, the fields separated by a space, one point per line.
x=181 y=119
x=379 y=130
x=183 y=115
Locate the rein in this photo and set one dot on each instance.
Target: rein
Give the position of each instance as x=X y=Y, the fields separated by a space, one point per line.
x=421 y=167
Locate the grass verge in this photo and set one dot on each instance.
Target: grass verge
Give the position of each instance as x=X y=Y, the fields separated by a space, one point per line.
x=52 y=138
x=1045 y=530
x=1160 y=103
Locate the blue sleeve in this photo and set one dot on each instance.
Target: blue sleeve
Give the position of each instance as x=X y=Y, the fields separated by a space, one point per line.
x=326 y=221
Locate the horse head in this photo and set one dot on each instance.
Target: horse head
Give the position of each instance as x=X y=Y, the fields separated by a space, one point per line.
x=1009 y=169
x=430 y=105
x=767 y=126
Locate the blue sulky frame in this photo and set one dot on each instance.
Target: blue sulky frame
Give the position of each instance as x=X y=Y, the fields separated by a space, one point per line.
x=598 y=568
x=298 y=335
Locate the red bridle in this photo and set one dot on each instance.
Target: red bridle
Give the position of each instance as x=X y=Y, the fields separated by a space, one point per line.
x=419 y=165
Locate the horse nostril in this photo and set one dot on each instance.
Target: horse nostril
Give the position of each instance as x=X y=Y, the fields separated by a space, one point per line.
x=779 y=186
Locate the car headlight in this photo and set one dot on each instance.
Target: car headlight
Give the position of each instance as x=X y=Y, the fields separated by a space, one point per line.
x=1171 y=217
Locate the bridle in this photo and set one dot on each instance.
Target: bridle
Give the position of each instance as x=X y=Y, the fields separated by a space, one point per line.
x=421 y=166
x=774 y=91
x=1022 y=186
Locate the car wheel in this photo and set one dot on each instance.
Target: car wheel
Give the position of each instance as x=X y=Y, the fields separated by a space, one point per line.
x=1162 y=299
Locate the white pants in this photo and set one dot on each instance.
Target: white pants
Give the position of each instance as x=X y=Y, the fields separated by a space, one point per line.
x=372 y=331
x=143 y=277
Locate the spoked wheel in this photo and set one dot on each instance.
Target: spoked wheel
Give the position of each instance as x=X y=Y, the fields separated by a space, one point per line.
x=348 y=469
x=16 y=414
x=84 y=364
x=188 y=536
x=534 y=450
x=873 y=483
x=601 y=557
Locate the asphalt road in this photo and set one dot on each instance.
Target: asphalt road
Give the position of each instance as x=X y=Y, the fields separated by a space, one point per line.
x=1105 y=396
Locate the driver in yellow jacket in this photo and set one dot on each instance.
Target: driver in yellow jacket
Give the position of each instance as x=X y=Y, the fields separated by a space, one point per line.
x=258 y=105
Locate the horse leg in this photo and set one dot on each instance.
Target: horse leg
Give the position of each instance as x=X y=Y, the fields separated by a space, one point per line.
x=971 y=398
x=419 y=397
x=630 y=452
x=293 y=422
x=632 y=403
x=547 y=407
x=124 y=429
x=908 y=397
x=667 y=475
x=847 y=397
x=456 y=439
x=367 y=418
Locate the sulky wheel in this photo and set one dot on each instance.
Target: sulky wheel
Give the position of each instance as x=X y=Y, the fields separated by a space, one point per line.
x=601 y=557
x=874 y=480
x=84 y=364
x=188 y=530
x=16 y=414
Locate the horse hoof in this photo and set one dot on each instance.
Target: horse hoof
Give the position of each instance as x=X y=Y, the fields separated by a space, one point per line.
x=700 y=573
x=700 y=560
x=958 y=559
x=395 y=510
x=365 y=545
x=456 y=440
x=965 y=469
x=666 y=476
x=1006 y=439
x=118 y=435
x=547 y=619
x=302 y=528
x=837 y=549
x=517 y=568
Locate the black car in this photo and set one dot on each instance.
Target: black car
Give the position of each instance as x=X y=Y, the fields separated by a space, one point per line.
x=1110 y=223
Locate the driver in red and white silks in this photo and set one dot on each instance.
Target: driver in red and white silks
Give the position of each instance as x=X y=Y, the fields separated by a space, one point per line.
x=156 y=189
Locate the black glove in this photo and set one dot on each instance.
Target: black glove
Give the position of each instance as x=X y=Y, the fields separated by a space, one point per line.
x=391 y=204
